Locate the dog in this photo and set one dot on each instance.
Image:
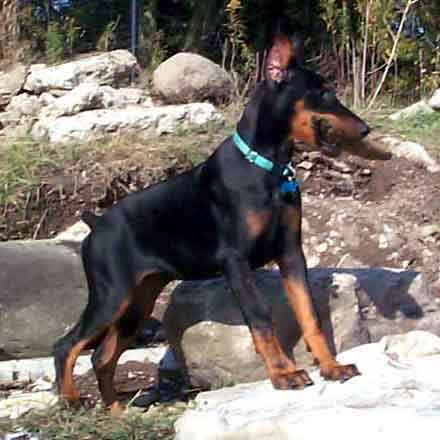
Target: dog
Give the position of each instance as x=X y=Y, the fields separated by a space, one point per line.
x=233 y=213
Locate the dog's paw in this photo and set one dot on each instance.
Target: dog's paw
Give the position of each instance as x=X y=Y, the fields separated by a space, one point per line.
x=292 y=381
x=339 y=372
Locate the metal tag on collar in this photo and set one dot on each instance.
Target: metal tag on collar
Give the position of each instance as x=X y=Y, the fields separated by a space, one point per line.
x=291 y=172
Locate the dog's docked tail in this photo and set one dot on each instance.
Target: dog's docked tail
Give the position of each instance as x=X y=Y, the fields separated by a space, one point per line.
x=90 y=219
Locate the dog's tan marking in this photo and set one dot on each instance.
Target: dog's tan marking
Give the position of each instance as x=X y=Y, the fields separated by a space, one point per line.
x=256 y=222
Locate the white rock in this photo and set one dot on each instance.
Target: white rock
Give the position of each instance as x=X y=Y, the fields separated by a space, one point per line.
x=111 y=68
x=91 y=96
x=43 y=368
x=120 y=98
x=25 y=105
x=393 y=398
x=142 y=121
x=419 y=108
x=19 y=404
x=413 y=152
x=434 y=102
x=86 y=96
x=11 y=83
x=321 y=248
x=409 y=346
x=75 y=233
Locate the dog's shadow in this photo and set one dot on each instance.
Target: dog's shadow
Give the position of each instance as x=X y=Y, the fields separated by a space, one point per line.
x=373 y=296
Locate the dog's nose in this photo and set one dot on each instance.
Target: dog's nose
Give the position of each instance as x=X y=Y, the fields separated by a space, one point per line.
x=365 y=130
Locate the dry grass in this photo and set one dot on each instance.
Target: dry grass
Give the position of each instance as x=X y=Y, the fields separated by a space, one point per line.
x=96 y=424
x=23 y=161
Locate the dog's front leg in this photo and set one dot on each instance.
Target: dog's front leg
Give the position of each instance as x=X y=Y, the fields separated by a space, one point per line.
x=257 y=314
x=294 y=274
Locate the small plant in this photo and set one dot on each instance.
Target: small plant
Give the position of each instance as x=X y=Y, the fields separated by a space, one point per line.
x=73 y=34
x=240 y=53
x=54 y=43
x=108 y=36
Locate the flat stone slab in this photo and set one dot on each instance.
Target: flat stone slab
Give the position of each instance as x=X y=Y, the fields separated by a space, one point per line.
x=96 y=124
x=396 y=397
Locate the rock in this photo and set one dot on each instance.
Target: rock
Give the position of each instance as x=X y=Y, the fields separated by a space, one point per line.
x=24 y=105
x=91 y=96
x=75 y=233
x=395 y=397
x=306 y=165
x=188 y=77
x=36 y=279
x=209 y=339
x=321 y=248
x=26 y=370
x=142 y=121
x=413 y=152
x=419 y=108
x=426 y=231
x=120 y=98
x=21 y=403
x=11 y=83
x=47 y=99
x=111 y=68
x=20 y=129
x=86 y=96
x=434 y=102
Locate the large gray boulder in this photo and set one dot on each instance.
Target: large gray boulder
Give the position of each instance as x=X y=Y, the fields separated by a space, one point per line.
x=188 y=77
x=210 y=341
x=42 y=293
x=396 y=397
x=96 y=124
x=11 y=83
x=112 y=68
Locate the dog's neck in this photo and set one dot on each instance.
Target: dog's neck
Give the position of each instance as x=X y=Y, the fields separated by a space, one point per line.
x=262 y=129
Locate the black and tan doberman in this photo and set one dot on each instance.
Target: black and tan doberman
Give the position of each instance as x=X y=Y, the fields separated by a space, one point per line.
x=233 y=213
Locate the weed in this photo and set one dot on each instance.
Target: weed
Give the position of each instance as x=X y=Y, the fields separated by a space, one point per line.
x=60 y=423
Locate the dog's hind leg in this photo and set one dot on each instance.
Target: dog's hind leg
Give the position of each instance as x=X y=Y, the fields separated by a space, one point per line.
x=87 y=334
x=122 y=333
x=102 y=310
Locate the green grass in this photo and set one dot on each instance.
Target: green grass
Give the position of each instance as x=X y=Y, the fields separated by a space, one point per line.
x=23 y=161
x=424 y=129
x=96 y=424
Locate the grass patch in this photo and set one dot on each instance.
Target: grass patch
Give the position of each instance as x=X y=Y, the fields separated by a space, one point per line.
x=96 y=424
x=24 y=163
x=423 y=128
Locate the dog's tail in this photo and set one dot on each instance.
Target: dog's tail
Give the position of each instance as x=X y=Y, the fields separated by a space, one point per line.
x=90 y=219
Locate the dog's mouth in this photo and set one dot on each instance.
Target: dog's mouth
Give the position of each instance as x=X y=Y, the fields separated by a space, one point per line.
x=326 y=136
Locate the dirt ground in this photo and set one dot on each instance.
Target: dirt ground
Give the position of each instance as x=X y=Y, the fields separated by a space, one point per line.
x=357 y=212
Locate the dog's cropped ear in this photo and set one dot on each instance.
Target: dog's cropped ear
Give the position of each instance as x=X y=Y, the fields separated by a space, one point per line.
x=285 y=53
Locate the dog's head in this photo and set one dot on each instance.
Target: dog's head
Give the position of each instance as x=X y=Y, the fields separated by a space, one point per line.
x=315 y=116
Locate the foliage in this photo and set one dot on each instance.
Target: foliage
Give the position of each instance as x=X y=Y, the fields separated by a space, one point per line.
x=350 y=40
x=54 y=43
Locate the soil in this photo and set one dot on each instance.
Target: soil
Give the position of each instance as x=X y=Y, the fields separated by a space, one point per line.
x=129 y=378
x=356 y=212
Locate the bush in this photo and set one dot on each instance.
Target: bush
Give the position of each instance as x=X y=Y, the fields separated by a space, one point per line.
x=54 y=43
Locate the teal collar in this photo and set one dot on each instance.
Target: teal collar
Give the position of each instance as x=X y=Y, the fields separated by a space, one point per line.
x=286 y=172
